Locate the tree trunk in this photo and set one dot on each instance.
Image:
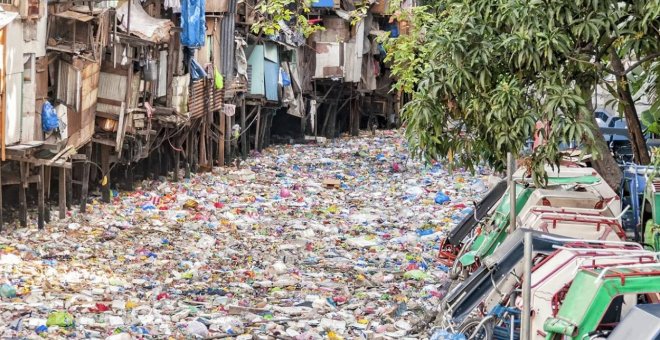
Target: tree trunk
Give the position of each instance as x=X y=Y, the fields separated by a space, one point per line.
x=637 y=141
x=604 y=163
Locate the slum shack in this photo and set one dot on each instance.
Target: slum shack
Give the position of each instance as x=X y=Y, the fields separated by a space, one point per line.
x=149 y=88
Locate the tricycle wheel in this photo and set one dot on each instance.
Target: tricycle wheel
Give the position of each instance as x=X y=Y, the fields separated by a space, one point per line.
x=477 y=329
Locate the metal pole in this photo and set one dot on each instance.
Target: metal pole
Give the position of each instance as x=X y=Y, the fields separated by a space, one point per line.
x=511 y=165
x=525 y=329
x=128 y=20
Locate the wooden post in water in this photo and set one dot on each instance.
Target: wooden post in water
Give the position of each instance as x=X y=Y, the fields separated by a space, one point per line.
x=2 y=210
x=105 y=173
x=46 y=189
x=221 y=139
x=22 y=212
x=177 y=160
x=244 y=146
x=85 y=179
x=69 y=186
x=61 y=195
x=40 y=197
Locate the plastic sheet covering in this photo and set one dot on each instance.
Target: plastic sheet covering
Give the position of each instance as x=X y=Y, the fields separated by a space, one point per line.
x=193 y=23
x=143 y=25
x=180 y=86
x=49 y=121
x=241 y=59
x=197 y=70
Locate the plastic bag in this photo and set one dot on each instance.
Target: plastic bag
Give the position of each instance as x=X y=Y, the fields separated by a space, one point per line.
x=49 y=120
x=441 y=198
x=62 y=319
x=286 y=80
x=196 y=70
x=219 y=80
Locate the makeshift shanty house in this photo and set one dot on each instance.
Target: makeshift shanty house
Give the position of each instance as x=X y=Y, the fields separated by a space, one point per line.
x=264 y=71
x=76 y=40
x=131 y=80
x=23 y=29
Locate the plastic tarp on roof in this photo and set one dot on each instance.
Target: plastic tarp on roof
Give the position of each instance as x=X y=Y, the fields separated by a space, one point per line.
x=193 y=23
x=6 y=18
x=143 y=25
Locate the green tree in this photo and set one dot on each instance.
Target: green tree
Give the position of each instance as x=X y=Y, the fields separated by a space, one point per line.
x=271 y=13
x=493 y=69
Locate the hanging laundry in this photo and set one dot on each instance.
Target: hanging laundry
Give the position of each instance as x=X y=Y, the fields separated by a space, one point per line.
x=175 y=5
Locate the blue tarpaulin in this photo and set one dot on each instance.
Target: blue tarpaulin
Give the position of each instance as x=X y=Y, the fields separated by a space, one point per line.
x=193 y=23
x=323 y=3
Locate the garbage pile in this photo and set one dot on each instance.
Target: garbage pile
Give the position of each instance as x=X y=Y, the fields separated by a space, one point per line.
x=334 y=241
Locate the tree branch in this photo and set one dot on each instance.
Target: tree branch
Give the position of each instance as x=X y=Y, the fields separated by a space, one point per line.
x=641 y=61
x=608 y=43
x=597 y=64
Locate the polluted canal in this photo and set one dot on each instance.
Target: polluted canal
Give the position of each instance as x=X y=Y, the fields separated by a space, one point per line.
x=332 y=241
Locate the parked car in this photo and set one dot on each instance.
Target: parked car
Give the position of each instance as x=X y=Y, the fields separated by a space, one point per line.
x=602 y=117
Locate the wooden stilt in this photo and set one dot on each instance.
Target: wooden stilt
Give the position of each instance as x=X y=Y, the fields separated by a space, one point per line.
x=85 y=179
x=189 y=154
x=148 y=173
x=221 y=139
x=269 y=125
x=40 y=197
x=244 y=146
x=22 y=213
x=62 y=193
x=210 y=155
x=194 y=156
x=160 y=166
x=201 y=150
x=177 y=161
x=130 y=177
x=2 y=209
x=264 y=122
x=228 y=139
x=354 y=122
x=258 y=130
x=46 y=188
x=47 y=176
x=303 y=120
x=68 y=173
x=105 y=173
